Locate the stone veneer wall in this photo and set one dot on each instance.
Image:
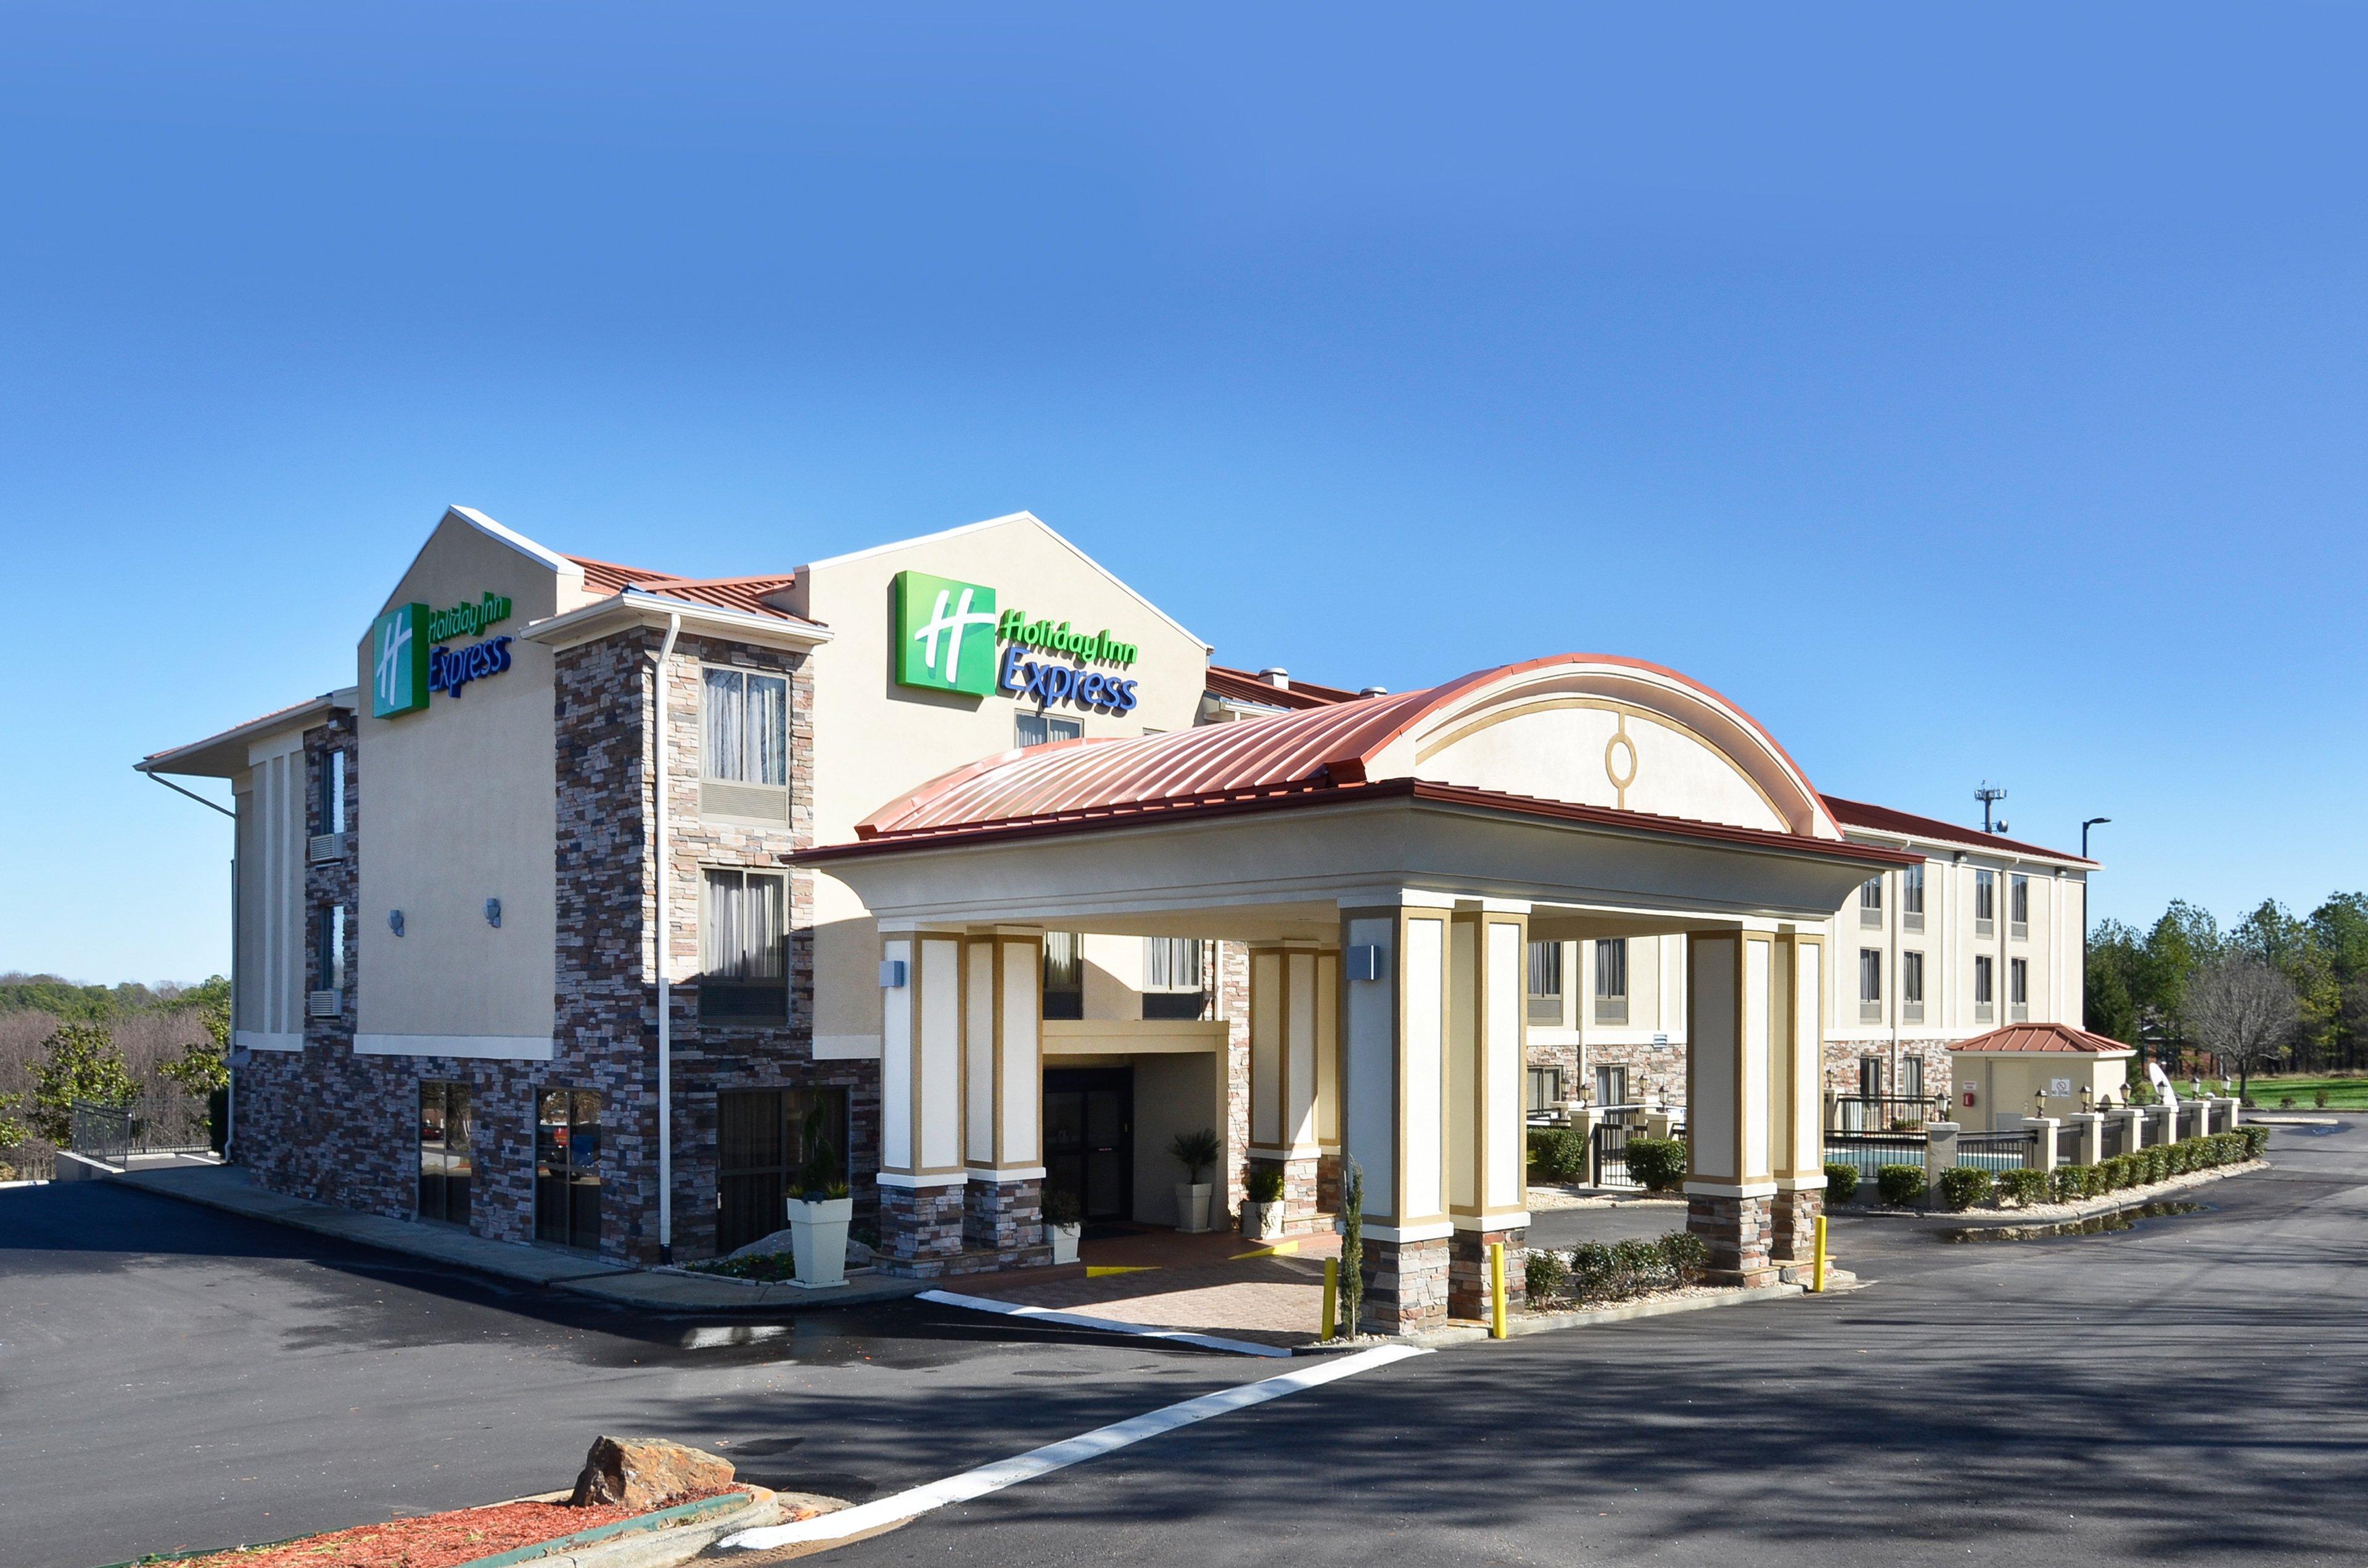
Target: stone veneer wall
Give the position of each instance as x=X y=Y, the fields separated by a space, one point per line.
x=1656 y=1071
x=1233 y=1007
x=328 y=1125
x=1842 y=1058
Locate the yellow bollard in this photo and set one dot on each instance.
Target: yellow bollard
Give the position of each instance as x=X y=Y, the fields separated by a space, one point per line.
x=1331 y=1297
x=1495 y=1289
x=1817 y=1270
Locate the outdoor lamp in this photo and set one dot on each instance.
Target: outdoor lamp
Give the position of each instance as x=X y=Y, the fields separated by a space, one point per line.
x=2087 y=1098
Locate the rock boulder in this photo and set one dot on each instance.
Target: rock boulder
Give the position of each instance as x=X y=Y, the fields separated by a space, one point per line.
x=643 y=1473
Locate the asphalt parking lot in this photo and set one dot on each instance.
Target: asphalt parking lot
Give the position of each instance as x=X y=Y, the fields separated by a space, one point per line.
x=2195 y=1391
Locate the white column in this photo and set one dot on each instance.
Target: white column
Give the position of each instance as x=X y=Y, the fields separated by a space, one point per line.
x=1486 y=1058
x=1394 y=1060
x=921 y=1063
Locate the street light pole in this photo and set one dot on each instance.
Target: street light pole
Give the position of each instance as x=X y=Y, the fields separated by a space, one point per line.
x=2092 y=821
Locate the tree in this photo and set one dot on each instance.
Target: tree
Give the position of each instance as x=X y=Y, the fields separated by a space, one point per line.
x=1352 y=1247
x=2116 y=955
x=203 y=1066
x=2244 y=1010
x=80 y=1063
x=2341 y=925
x=2184 y=938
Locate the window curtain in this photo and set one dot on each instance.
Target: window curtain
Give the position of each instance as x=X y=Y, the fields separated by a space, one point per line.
x=769 y=729
x=726 y=740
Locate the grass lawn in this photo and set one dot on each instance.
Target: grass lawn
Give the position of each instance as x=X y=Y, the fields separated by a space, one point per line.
x=2342 y=1093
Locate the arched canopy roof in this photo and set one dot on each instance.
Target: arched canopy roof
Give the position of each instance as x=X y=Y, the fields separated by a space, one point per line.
x=1581 y=729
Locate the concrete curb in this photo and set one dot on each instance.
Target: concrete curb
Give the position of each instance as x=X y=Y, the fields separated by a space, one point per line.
x=662 y=1548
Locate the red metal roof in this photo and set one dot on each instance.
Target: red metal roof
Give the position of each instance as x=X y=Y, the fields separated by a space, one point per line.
x=746 y=595
x=1242 y=685
x=2061 y=1038
x=1257 y=799
x=1882 y=819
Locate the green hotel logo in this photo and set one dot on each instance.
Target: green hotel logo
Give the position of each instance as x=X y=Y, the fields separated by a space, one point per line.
x=399 y=662
x=945 y=634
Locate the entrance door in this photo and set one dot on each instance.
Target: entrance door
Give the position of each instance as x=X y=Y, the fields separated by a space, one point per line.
x=1090 y=1138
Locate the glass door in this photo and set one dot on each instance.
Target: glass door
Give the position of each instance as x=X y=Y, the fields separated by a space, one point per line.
x=567 y=1168
x=1089 y=1138
x=447 y=1167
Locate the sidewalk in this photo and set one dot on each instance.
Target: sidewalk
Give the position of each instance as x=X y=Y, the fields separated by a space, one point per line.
x=227 y=1187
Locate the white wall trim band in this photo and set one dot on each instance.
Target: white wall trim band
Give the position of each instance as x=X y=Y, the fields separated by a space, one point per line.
x=1438 y=1230
x=257 y=1040
x=1512 y=1220
x=1733 y=1189
x=483 y=1047
x=914 y=1183
x=1014 y=1173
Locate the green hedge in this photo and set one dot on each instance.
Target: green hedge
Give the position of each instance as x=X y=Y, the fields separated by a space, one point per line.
x=1841 y=1181
x=1614 y=1271
x=1900 y=1185
x=2256 y=1141
x=1558 y=1155
x=2025 y=1188
x=1657 y=1163
x=1961 y=1186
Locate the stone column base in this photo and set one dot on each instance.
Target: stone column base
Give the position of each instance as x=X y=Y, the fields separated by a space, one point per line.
x=1405 y=1286
x=1467 y=1272
x=1736 y=1229
x=920 y=1224
x=1003 y=1216
x=1327 y=1183
x=1794 y=1235
x=1302 y=1191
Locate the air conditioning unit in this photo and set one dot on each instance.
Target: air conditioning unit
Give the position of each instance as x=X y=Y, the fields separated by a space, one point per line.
x=323 y=1004
x=325 y=846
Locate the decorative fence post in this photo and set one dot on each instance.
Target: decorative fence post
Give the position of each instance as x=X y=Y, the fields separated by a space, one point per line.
x=1939 y=1154
x=2133 y=1119
x=2089 y=1125
x=2040 y=1155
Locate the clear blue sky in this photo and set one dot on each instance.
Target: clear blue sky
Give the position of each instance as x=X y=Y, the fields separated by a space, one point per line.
x=1978 y=396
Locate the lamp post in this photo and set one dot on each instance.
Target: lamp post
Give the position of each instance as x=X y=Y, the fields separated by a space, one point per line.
x=2092 y=821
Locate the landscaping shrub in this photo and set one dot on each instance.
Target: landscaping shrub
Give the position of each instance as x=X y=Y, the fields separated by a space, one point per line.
x=2024 y=1188
x=1685 y=1255
x=1547 y=1274
x=2227 y=1148
x=1558 y=1155
x=2158 y=1162
x=2120 y=1171
x=2182 y=1156
x=2076 y=1182
x=2256 y=1141
x=1591 y=1278
x=2318 y=1098
x=2285 y=1102
x=1841 y=1181
x=1265 y=1184
x=1659 y=1163
x=1640 y=1266
x=1901 y=1186
x=1961 y=1186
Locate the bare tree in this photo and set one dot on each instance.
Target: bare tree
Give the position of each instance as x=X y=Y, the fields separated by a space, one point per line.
x=2244 y=1011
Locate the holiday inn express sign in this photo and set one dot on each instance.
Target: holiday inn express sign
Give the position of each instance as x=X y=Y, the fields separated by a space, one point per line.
x=949 y=634
x=407 y=664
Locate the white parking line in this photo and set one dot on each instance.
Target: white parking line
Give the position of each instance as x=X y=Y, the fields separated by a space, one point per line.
x=971 y=1484
x=1109 y=1325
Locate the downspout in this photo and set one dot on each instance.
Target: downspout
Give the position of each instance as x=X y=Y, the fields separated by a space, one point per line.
x=666 y=982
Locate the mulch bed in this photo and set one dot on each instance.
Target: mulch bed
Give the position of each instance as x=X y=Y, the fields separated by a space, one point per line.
x=435 y=1541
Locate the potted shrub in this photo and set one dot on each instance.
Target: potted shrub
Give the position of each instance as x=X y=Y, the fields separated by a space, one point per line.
x=1262 y=1208
x=819 y=1214
x=1064 y=1217
x=1196 y=1152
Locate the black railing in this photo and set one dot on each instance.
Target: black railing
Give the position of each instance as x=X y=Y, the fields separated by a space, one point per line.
x=1607 y=1148
x=1869 y=1152
x=101 y=1131
x=2117 y=1137
x=1880 y=1113
x=2070 y=1144
x=2009 y=1151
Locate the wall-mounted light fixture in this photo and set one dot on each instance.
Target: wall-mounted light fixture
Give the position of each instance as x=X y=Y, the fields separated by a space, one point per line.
x=891 y=974
x=394 y=921
x=493 y=913
x=1363 y=960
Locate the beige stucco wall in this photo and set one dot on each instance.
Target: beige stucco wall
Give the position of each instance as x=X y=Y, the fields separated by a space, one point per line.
x=457 y=805
x=2006 y=1083
x=272 y=962
x=1560 y=754
x=875 y=739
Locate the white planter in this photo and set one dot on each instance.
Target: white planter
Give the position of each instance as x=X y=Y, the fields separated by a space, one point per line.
x=1065 y=1242
x=818 y=1240
x=1192 y=1206
x=1262 y=1221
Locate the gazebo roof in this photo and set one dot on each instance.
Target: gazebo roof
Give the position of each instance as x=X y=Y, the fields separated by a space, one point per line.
x=2041 y=1039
